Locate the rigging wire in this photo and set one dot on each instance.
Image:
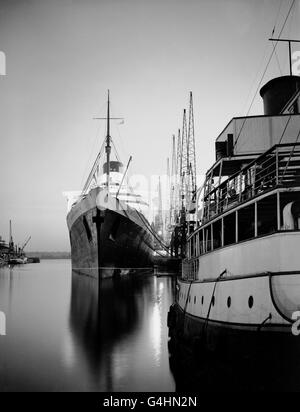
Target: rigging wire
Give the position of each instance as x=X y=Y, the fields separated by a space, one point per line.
x=273 y=32
x=88 y=161
x=94 y=168
x=276 y=20
x=98 y=158
x=164 y=246
x=277 y=59
x=264 y=72
x=120 y=139
x=291 y=154
x=115 y=149
x=255 y=80
x=283 y=133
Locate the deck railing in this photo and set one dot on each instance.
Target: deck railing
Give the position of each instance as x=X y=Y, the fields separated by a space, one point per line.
x=279 y=166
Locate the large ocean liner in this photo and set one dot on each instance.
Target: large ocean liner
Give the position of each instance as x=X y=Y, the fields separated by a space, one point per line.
x=109 y=232
x=241 y=272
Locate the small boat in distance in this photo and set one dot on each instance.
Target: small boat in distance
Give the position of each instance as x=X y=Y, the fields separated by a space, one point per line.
x=109 y=232
x=11 y=254
x=17 y=261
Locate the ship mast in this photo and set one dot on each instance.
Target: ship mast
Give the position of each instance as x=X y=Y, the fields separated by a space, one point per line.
x=108 y=146
x=289 y=41
x=107 y=142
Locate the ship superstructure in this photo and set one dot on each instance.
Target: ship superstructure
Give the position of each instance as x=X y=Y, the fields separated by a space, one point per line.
x=241 y=273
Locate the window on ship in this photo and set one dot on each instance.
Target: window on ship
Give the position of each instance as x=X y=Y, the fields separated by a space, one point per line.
x=207 y=239
x=267 y=215
x=217 y=234
x=229 y=224
x=246 y=223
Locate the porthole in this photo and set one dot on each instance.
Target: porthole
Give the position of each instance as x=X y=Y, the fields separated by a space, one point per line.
x=194 y=300
x=213 y=301
x=202 y=300
x=229 y=301
x=250 y=301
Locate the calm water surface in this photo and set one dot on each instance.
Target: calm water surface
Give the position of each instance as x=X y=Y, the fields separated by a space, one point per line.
x=62 y=335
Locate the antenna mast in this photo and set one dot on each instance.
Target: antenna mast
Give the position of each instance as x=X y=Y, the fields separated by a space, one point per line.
x=108 y=141
x=290 y=50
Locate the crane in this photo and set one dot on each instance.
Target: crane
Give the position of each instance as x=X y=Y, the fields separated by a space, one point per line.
x=186 y=188
x=192 y=186
x=25 y=244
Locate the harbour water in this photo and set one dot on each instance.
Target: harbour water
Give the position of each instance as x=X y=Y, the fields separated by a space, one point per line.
x=65 y=334
x=62 y=336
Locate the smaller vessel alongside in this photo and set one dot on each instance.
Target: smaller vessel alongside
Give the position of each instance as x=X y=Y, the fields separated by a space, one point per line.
x=239 y=289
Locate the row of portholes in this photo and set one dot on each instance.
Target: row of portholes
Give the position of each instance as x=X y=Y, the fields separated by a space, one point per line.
x=213 y=300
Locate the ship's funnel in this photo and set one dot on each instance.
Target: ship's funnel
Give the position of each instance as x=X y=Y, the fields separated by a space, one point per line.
x=115 y=166
x=278 y=92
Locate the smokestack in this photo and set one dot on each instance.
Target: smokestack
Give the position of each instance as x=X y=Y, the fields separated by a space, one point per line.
x=278 y=92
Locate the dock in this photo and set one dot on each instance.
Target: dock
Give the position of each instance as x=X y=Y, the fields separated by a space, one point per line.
x=166 y=266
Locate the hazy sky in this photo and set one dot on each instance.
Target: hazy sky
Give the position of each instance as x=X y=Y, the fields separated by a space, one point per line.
x=62 y=56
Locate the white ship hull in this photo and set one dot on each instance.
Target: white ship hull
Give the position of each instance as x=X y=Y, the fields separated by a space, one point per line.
x=252 y=307
x=267 y=268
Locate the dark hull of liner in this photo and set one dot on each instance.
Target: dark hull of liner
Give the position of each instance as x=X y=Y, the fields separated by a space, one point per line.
x=113 y=245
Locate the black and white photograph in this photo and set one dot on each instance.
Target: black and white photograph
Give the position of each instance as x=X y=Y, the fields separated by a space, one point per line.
x=149 y=199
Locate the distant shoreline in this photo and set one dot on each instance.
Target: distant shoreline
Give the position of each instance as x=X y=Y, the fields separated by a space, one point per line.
x=50 y=255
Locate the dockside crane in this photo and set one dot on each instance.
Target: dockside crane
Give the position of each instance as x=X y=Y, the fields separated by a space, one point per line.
x=158 y=218
x=192 y=185
x=177 y=201
x=173 y=186
x=11 y=242
x=184 y=163
x=24 y=245
x=187 y=186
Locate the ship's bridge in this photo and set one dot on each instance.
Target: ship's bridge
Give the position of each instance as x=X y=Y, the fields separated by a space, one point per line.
x=257 y=153
x=245 y=138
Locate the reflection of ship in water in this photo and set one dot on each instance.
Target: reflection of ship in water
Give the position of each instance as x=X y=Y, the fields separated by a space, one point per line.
x=102 y=315
x=118 y=329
